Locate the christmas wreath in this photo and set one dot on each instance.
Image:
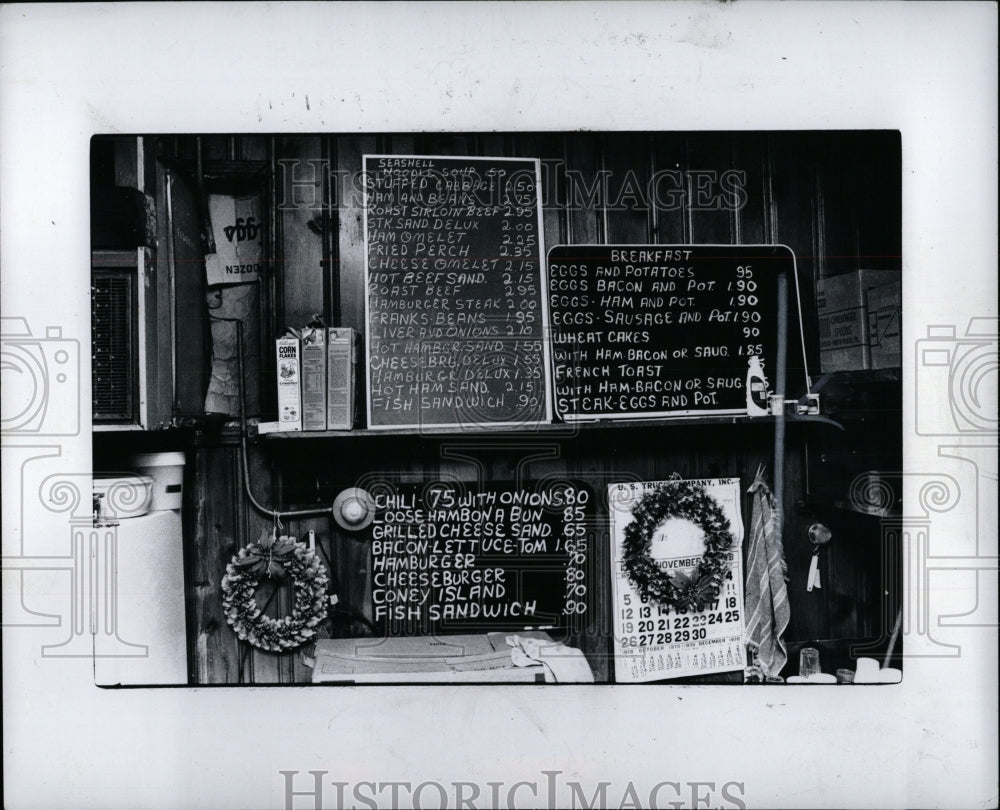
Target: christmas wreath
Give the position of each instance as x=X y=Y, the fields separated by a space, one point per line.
x=275 y=557
x=687 y=500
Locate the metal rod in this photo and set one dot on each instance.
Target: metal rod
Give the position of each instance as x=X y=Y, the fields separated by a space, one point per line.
x=275 y=236
x=779 y=421
x=172 y=291
x=892 y=638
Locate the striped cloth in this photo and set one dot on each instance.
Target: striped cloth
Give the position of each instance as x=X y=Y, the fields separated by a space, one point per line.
x=766 y=608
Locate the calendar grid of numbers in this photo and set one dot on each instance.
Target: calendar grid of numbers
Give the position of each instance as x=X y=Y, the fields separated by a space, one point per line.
x=654 y=643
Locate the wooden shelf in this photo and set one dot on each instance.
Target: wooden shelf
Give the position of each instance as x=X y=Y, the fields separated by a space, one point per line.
x=548 y=429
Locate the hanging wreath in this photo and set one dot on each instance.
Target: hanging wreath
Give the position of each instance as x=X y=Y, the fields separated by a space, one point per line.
x=281 y=557
x=687 y=500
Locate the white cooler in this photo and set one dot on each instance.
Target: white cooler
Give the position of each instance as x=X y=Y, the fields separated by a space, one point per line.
x=141 y=635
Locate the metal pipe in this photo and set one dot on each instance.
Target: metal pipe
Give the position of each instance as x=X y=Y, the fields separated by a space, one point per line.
x=802 y=332
x=296 y=513
x=779 y=421
x=274 y=236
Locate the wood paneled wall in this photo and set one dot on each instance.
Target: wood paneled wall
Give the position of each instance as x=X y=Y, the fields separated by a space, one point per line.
x=801 y=190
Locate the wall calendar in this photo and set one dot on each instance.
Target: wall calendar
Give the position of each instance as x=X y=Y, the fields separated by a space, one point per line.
x=703 y=632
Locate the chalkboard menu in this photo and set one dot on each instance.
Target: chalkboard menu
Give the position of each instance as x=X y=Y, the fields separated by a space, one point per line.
x=455 y=315
x=661 y=330
x=453 y=557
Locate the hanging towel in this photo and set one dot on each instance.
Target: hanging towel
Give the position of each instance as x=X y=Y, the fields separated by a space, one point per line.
x=767 y=609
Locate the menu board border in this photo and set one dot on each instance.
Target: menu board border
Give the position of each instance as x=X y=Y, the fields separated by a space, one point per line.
x=625 y=415
x=541 y=565
x=547 y=366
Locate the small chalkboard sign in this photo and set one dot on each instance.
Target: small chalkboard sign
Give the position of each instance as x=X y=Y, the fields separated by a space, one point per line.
x=453 y=557
x=661 y=330
x=455 y=314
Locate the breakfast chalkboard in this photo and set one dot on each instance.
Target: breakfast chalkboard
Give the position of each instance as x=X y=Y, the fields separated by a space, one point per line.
x=661 y=330
x=454 y=306
x=449 y=556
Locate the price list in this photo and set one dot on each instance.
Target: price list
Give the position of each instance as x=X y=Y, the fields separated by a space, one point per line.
x=446 y=557
x=653 y=642
x=660 y=330
x=455 y=317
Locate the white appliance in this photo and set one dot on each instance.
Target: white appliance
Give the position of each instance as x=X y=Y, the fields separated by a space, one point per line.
x=141 y=638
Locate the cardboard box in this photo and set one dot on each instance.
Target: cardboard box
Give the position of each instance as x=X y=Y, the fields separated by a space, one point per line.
x=289 y=383
x=885 y=310
x=842 y=307
x=341 y=354
x=238 y=230
x=314 y=378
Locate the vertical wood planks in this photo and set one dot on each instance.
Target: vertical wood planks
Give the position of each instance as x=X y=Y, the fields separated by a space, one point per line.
x=796 y=224
x=549 y=150
x=750 y=159
x=217 y=650
x=627 y=213
x=584 y=195
x=709 y=195
x=351 y=258
x=300 y=207
x=668 y=164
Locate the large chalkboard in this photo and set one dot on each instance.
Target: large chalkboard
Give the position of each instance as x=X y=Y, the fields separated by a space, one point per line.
x=450 y=557
x=661 y=330
x=455 y=314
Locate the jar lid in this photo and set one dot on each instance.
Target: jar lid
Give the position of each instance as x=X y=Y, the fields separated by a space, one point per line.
x=354 y=509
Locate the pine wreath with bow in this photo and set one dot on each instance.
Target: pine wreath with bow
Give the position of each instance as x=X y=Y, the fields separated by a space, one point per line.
x=275 y=557
x=687 y=500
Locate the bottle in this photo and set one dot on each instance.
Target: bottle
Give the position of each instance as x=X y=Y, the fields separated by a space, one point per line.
x=757 y=388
